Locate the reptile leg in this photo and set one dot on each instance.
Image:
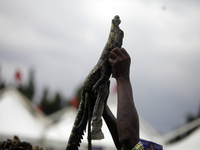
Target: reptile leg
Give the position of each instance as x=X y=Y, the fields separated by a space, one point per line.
x=96 y=86
x=96 y=133
x=105 y=75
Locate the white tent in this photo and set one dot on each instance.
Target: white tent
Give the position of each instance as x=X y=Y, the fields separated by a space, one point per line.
x=57 y=135
x=191 y=142
x=60 y=132
x=18 y=116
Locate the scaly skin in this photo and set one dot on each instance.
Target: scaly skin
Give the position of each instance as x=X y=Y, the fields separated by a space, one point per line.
x=97 y=76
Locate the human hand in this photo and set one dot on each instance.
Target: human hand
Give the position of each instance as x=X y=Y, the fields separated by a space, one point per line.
x=120 y=61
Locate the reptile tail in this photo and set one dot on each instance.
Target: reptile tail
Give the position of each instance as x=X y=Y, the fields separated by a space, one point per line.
x=78 y=127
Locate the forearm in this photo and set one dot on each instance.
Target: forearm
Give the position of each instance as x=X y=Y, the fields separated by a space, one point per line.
x=127 y=117
x=112 y=126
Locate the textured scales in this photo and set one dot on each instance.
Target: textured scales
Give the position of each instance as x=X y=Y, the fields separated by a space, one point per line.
x=99 y=75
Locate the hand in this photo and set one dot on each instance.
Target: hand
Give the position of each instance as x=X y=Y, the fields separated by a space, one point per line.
x=120 y=61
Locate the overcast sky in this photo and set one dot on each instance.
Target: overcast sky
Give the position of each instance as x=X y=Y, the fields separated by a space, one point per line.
x=62 y=41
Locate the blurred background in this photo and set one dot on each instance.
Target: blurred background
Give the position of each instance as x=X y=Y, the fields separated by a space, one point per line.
x=47 y=48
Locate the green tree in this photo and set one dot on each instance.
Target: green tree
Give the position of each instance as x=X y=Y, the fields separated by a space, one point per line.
x=44 y=101
x=30 y=89
x=50 y=106
x=56 y=103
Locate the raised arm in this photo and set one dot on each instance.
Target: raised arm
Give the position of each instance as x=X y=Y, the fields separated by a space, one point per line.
x=127 y=117
x=125 y=128
x=111 y=123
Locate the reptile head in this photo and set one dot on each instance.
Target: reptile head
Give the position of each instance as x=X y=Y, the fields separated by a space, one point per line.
x=116 y=20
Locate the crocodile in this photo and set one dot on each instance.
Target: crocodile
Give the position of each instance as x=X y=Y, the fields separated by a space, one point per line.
x=98 y=76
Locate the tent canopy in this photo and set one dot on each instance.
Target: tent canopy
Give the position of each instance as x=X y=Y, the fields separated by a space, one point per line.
x=18 y=116
x=62 y=129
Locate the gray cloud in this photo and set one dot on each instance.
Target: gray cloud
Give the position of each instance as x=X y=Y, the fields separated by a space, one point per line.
x=63 y=41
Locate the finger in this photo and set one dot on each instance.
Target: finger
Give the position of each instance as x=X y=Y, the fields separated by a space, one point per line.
x=124 y=52
x=117 y=51
x=112 y=61
x=116 y=48
x=113 y=54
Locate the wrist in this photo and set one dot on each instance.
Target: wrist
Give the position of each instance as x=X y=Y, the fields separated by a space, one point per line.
x=122 y=78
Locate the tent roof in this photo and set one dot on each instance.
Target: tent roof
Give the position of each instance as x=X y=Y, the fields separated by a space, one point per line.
x=62 y=129
x=190 y=142
x=19 y=116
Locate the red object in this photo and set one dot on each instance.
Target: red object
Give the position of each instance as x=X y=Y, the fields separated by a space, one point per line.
x=74 y=102
x=18 y=76
x=39 y=108
x=114 y=90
